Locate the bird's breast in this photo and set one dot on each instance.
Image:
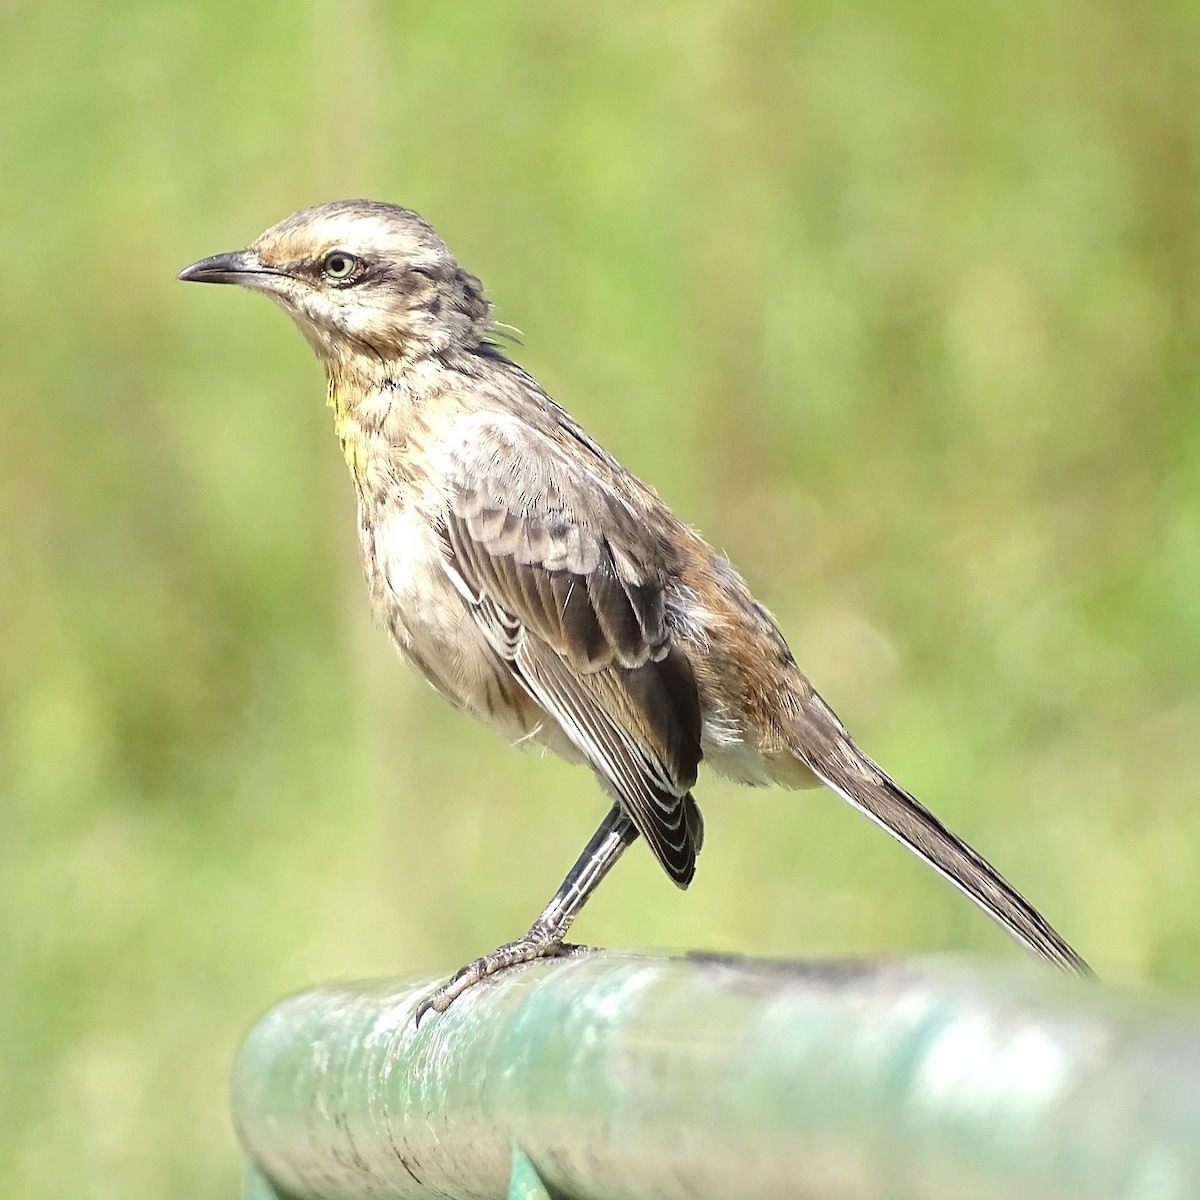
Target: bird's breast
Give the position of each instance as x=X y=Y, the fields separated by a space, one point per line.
x=414 y=599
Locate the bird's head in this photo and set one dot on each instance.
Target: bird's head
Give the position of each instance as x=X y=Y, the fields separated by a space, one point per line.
x=363 y=280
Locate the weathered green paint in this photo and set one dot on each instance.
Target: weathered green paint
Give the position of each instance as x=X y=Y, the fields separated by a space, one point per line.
x=525 y=1183
x=625 y=1077
x=255 y=1186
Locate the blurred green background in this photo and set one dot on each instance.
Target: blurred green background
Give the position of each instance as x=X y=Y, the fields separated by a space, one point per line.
x=897 y=303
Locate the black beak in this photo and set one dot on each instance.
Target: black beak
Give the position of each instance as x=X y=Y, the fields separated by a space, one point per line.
x=238 y=266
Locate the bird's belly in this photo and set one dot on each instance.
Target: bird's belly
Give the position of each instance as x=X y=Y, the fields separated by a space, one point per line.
x=414 y=599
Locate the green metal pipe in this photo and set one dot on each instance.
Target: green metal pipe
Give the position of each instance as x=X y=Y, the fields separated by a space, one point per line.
x=627 y=1077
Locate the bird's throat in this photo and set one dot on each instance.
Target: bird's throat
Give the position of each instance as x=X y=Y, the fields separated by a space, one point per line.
x=350 y=431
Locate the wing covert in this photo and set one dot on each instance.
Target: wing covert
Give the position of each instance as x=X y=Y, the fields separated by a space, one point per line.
x=567 y=584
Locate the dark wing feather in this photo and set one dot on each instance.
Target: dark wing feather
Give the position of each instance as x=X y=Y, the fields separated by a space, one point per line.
x=567 y=584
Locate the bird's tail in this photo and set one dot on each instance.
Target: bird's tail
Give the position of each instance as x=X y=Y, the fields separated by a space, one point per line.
x=829 y=753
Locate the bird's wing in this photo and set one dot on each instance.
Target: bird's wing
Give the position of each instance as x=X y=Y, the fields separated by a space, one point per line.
x=567 y=584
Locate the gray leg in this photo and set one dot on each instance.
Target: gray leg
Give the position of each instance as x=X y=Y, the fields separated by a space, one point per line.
x=545 y=936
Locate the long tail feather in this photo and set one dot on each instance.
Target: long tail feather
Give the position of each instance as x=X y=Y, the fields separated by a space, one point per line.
x=831 y=754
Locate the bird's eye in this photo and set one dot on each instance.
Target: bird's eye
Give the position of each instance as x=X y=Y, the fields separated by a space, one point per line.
x=340 y=266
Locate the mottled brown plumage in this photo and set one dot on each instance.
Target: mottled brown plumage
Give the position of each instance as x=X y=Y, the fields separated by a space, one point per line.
x=540 y=586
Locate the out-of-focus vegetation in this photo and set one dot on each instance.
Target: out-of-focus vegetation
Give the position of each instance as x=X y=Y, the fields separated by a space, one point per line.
x=899 y=304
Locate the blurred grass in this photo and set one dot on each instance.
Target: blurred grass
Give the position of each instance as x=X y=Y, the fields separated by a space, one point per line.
x=899 y=305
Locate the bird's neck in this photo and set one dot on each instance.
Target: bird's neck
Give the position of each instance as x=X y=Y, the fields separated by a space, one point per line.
x=373 y=409
x=352 y=433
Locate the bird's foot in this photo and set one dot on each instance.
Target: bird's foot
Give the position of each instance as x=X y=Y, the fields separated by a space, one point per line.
x=531 y=946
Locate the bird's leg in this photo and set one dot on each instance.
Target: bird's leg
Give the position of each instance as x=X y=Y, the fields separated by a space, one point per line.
x=545 y=936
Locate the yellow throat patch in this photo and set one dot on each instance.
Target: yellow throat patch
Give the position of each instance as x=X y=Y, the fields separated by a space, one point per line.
x=349 y=432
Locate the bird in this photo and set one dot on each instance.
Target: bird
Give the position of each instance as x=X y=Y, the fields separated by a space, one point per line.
x=543 y=588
